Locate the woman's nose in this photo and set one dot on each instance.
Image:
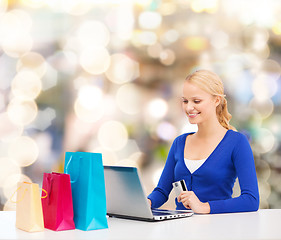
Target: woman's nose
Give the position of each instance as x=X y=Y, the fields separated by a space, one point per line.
x=189 y=107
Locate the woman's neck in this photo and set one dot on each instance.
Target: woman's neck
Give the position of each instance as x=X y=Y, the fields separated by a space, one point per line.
x=209 y=129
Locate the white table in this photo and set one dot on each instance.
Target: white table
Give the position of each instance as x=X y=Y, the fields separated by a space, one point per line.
x=264 y=224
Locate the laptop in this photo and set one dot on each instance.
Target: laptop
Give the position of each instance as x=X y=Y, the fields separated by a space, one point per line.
x=125 y=197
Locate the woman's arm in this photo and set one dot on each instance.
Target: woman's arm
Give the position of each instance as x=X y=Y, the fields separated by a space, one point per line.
x=245 y=168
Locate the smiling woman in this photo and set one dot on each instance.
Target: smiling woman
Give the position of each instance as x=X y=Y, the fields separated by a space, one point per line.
x=208 y=86
x=210 y=159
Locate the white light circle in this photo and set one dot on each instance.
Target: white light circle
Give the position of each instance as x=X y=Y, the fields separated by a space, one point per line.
x=8 y=167
x=93 y=33
x=8 y=130
x=26 y=85
x=264 y=87
x=88 y=113
x=150 y=20
x=264 y=107
x=90 y=96
x=34 y=62
x=22 y=112
x=129 y=99
x=167 y=57
x=24 y=151
x=113 y=135
x=157 y=108
x=166 y=131
x=266 y=141
x=95 y=59
x=122 y=69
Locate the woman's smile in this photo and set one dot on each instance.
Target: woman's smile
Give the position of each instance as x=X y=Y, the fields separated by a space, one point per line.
x=193 y=115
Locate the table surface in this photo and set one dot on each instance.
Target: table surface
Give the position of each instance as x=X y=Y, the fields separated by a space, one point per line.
x=263 y=224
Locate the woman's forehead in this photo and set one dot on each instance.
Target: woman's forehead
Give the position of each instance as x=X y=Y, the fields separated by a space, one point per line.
x=191 y=91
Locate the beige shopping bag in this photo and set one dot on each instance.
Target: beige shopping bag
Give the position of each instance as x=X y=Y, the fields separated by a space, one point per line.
x=29 y=214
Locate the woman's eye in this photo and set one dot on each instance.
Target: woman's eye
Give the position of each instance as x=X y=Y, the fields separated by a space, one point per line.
x=197 y=101
x=184 y=101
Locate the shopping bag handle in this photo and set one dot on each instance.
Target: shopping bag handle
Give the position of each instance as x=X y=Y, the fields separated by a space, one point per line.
x=67 y=166
x=25 y=190
x=22 y=197
x=46 y=193
x=49 y=179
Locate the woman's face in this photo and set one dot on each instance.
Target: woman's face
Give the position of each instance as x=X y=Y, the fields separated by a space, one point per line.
x=198 y=105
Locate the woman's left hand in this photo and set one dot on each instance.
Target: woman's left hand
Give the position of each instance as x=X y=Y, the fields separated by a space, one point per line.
x=190 y=200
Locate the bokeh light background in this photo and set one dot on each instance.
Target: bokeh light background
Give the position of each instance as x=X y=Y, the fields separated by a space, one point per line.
x=106 y=76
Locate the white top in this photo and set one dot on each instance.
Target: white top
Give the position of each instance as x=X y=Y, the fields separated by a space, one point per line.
x=193 y=165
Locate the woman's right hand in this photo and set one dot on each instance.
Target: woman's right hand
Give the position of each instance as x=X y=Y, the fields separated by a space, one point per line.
x=149 y=202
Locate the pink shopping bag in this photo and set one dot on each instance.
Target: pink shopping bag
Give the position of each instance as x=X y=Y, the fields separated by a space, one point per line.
x=57 y=206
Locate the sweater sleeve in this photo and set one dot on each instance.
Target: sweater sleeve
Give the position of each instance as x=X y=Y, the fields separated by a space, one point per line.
x=248 y=200
x=161 y=193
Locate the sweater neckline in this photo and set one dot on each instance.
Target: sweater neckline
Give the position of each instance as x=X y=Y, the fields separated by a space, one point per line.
x=210 y=156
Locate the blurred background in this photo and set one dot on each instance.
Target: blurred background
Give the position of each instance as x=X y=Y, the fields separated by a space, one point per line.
x=106 y=76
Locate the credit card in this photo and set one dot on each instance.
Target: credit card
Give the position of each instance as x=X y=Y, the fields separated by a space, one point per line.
x=179 y=187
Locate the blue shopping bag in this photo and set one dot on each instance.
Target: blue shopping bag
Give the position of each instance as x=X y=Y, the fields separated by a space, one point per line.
x=88 y=189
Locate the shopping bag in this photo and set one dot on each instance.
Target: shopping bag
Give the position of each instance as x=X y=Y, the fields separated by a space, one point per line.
x=29 y=215
x=88 y=189
x=57 y=206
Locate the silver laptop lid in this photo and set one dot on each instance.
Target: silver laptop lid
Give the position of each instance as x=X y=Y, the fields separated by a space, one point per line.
x=124 y=193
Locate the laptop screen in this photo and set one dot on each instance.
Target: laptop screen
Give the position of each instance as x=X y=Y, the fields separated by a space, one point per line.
x=124 y=192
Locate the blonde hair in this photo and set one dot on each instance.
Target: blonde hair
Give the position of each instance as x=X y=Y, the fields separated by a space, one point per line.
x=211 y=83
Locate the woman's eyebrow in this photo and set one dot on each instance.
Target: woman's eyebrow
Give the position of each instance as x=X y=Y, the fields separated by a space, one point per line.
x=195 y=97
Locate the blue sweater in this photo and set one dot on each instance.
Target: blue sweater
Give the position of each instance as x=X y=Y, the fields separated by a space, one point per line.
x=213 y=181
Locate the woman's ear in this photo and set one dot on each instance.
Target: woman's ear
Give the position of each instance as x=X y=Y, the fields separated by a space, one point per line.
x=218 y=100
